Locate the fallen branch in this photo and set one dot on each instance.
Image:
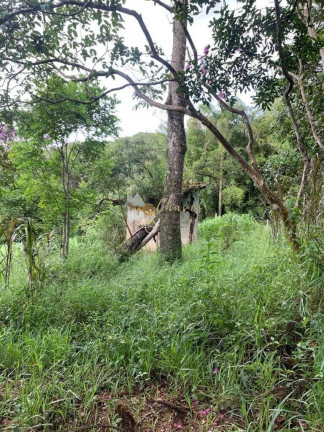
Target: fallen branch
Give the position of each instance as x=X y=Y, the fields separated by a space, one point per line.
x=138 y=240
x=153 y=233
x=131 y=245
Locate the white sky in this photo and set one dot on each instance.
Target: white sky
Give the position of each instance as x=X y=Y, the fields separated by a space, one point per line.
x=160 y=26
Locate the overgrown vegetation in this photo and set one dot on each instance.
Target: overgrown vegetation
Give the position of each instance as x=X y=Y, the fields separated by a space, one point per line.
x=230 y=337
x=236 y=330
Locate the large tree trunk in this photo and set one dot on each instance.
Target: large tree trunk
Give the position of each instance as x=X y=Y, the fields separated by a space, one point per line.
x=170 y=236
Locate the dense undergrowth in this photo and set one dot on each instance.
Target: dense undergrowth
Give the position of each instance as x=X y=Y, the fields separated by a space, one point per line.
x=238 y=324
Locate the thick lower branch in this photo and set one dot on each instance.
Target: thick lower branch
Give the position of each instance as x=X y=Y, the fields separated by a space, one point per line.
x=135 y=242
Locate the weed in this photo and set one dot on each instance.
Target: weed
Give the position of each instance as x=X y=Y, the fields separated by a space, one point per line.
x=237 y=326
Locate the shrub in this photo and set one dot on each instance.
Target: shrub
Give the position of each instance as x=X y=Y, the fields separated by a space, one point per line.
x=227 y=229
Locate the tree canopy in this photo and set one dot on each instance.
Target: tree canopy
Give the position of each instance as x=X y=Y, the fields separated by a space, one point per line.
x=274 y=52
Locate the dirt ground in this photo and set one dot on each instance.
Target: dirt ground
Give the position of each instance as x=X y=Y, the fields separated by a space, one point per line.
x=158 y=412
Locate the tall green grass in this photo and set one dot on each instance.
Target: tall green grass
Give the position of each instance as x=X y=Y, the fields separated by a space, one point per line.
x=239 y=324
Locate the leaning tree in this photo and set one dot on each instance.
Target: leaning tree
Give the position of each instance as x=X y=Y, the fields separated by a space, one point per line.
x=81 y=40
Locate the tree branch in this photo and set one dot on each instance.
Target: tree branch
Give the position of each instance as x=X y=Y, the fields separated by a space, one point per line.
x=102 y=7
x=303 y=181
x=311 y=121
x=149 y=237
x=247 y=123
x=105 y=93
x=164 y=5
x=290 y=84
x=306 y=17
x=252 y=173
x=191 y=43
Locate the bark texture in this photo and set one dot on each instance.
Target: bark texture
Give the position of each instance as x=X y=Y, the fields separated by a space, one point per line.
x=138 y=240
x=170 y=235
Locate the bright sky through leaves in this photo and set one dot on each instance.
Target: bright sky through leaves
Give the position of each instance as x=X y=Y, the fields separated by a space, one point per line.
x=159 y=24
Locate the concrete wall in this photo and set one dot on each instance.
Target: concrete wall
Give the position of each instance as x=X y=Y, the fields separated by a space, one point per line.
x=139 y=213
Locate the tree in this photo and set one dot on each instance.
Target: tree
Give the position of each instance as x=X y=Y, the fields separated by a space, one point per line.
x=50 y=136
x=139 y=165
x=208 y=162
x=12 y=202
x=54 y=46
x=284 y=49
x=170 y=238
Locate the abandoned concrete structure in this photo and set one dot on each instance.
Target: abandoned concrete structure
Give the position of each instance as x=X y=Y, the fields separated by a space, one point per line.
x=140 y=214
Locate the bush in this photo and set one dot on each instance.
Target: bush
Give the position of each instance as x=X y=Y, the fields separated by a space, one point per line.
x=227 y=229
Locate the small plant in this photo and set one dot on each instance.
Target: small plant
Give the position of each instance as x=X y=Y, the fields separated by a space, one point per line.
x=227 y=229
x=208 y=257
x=9 y=233
x=37 y=250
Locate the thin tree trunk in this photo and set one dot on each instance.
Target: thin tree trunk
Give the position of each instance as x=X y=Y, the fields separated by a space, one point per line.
x=66 y=215
x=66 y=233
x=192 y=220
x=9 y=252
x=170 y=235
x=306 y=16
x=310 y=117
x=220 y=187
x=303 y=182
x=124 y=214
